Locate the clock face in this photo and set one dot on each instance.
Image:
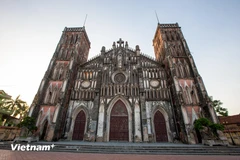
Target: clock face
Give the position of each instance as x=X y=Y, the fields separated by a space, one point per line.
x=154 y=83
x=85 y=84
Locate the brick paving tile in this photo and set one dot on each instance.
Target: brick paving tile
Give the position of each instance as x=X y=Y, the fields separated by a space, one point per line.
x=15 y=155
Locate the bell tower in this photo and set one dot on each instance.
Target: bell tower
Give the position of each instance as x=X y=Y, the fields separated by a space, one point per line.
x=188 y=94
x=51 y=101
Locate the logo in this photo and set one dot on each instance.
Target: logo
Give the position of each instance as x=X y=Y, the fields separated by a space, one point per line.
x=28 y=147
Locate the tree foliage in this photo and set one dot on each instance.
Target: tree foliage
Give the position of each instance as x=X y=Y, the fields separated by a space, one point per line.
x=217 y=105
x=199 y=123
x=13 y=107
x=29 y=123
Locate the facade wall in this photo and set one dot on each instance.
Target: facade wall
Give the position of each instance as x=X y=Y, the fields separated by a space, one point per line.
x=166 y=91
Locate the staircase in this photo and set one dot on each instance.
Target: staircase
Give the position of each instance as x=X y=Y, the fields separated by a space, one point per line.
x=136 y=148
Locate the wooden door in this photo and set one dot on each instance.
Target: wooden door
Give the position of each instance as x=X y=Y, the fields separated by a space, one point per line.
x=119 y=122
x=79 y=126
x=160 y=127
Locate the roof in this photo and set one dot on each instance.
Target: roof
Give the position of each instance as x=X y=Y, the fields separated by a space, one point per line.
x=229 y=119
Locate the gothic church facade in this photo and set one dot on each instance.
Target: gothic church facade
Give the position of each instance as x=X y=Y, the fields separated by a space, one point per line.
x=121 y=94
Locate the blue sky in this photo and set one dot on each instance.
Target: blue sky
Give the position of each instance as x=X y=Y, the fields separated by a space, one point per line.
x=30 y=31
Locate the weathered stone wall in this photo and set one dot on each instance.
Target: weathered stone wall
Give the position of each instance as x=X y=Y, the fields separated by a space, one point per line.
x=9 y=133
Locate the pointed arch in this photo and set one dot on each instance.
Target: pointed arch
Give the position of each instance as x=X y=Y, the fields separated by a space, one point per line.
x=129 y=112
x=189 y=95
x=187 y=68
x=185 y=96
x=55 y=114
x=160 y=127
x=60 y=53
x=75 y=112
x=39 y=117
x=76 y=38
x=54 y=94
x=48 y=95
x=66 y=39
x=194 y=95
x=166 y=135
x=79 y=126
x=60 y=73
x=177 y=70
x=182 y=72
x=44 y=130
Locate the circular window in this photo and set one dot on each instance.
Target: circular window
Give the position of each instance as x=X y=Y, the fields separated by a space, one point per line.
x=119 y=78
x=85 y=84
x=154 y=83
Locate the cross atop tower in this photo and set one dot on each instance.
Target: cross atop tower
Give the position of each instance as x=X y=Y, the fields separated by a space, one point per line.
x=120 y=42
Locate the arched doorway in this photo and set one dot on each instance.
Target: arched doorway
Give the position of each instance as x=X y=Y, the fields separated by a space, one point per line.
x=160 y=127
x=119 y=122
x=44 y=130
x=79 y=126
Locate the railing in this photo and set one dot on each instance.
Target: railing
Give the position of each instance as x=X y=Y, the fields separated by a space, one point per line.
x=169 y=25
x=74 y=29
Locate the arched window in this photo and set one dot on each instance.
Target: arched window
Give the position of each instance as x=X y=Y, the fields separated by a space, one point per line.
x=182 y=70
x=48 y=95
x=194 y=95
x=72 y=40
x=39 y=118
x=54 y=95
x=60 y=53
x=66 y=39
x=60 y=73
x=185 y=97
x=76 y=38
x=55 y=72
x=55 y=114
x=177 y=71
x=189 y=95
x=187 y=69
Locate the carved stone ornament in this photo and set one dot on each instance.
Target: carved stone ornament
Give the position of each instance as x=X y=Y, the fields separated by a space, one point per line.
x=154 y=83
x=85 y=84
x=119 y=78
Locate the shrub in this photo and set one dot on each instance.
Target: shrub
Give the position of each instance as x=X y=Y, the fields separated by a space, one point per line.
x=29 y=123
x=199 y=123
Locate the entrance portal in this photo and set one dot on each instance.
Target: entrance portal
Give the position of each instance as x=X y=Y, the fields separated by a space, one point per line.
x=160 y=127
x=119 y=122
x=79 y=126
x=44 y=130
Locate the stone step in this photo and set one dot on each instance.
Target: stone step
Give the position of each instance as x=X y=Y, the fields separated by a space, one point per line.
x=139 y=149
x=204 y=150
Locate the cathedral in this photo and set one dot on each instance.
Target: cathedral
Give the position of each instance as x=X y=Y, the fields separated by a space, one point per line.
x=121 y=94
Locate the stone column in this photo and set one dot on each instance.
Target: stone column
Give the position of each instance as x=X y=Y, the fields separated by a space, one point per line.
x=100 y=123
x=137 y=135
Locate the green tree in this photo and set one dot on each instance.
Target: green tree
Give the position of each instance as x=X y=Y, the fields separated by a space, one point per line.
x=29 y=123
x=199 y=123
x=218 y=108
x=5 y=101
x=8 y=106
x=19 y=108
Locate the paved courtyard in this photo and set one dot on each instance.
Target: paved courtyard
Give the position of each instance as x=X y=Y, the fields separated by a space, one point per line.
x=17 y=155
